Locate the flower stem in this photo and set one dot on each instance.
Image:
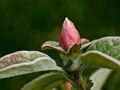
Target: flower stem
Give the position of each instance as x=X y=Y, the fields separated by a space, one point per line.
x=79 y=81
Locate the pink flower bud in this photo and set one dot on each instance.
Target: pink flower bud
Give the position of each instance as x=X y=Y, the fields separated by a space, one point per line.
x=68 y=85
x=69 y=35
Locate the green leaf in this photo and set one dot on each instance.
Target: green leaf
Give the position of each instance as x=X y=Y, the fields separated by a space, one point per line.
x=99 y=59
x=112 y=82
x=88 y=83
x=85 y=43
x=52 y=45
x=23 y=62
x=45 y=82
x=107 y=45
x=99 y=77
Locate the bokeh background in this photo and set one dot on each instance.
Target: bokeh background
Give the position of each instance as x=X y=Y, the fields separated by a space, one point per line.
x=26 y=24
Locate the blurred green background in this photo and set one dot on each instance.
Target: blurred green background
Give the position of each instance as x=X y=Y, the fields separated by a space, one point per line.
x=26 y=24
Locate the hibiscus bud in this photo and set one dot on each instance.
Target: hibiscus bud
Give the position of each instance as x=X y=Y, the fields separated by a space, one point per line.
x=69 y=35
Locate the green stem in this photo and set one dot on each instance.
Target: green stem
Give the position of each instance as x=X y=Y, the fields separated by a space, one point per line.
x=79 y=80
x=80 y=83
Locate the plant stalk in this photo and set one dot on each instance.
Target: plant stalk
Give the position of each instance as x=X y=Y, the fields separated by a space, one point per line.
x=81 y=84
x=79 y=81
